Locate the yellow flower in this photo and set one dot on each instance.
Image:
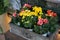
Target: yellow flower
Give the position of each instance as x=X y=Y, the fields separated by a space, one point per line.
x=34 y=7
x=23 y=17
x=41 y=13
x=36 y=14
x=32 y=13
x=21 y=14
x=27 y=10
x=37 y=9
x=40 y=9
x=39 y=17
x=29 y=14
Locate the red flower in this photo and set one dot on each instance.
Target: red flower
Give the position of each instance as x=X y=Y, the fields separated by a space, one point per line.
x=14 y=14
x=45 y=21
x=54 y=14
x=40 y=22
x=51 y=13
x=27 y=5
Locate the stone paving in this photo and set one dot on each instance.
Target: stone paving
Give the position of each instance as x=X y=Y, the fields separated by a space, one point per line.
x=2 y=37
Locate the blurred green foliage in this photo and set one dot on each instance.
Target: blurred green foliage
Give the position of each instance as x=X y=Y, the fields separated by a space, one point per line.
x=1 y=31
x=3 y=6
x=6 y=3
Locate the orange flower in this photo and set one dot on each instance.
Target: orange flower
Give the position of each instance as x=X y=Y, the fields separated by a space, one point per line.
x=51 y=13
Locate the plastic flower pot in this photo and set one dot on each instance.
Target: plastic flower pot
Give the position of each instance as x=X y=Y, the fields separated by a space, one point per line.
x=18 y=23
x=30 y=30
x=46 y=34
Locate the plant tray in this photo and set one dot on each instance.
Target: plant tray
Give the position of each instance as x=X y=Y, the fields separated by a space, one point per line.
x=25 y=33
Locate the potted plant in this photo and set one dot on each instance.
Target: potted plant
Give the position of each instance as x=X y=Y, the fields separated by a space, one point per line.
x=39 y=21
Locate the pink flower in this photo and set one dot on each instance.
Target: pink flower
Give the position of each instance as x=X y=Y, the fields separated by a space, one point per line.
x=14 y=14
x=40 y=21
x=45 y=21
x=27 y=5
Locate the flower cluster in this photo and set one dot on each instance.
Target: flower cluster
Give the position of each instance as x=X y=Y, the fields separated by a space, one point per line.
x=51 y=13
x=41 y=22
x=37 y=11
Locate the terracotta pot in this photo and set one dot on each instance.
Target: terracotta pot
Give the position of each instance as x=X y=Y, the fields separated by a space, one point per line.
x=4 y=22
x=58 y=35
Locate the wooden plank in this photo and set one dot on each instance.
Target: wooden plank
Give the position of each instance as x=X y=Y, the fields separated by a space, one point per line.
x=26 y=34
x=11 y=36
x=29 y=35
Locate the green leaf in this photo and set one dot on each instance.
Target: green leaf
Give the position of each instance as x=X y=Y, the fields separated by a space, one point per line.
x=36 y=29
x=1 y=31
